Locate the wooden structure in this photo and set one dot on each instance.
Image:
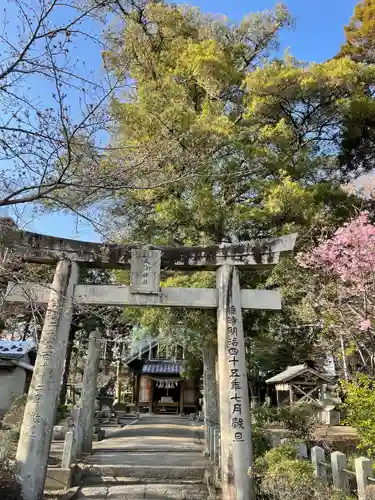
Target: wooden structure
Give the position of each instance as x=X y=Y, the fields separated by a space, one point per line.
x=160 y=388
x=300 y=384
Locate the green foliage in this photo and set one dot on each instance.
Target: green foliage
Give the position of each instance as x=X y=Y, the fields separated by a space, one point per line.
x=358 y=138
x=295 y=472
x=179 y=326
x=370 y=492
x=240 y=145
x=299 y=421
x=360 y=33
x=281 y=466
x=9 y=485
x=260 y=443
x=14 y=415
x=11 y=427
x=62 y=412
x=285 y=452
x=281 y=476
x=359 y=406
x=260 y=419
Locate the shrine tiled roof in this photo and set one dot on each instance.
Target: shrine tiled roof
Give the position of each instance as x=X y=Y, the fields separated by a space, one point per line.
x=162 y=367
x=293 y=371
x=15 y=349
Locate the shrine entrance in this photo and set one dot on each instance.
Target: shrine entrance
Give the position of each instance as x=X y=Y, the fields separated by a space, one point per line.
x=146 y=265
x=166 y=396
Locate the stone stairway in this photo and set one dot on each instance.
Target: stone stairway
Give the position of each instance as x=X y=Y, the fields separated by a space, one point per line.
x=159 y=457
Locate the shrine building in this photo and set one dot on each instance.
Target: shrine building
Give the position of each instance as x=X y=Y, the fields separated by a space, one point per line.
x=160 y=386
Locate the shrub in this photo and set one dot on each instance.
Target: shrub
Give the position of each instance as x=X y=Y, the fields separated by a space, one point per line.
x=9 y=486
x=11 y=427
x=265 y=463
x=370 y=492
x=280 y=454
x=299 y=421
x=281 y=476
x=289 y=479
x=279 y=488
x=61 y=412
x=14 y=416
x=359 y=405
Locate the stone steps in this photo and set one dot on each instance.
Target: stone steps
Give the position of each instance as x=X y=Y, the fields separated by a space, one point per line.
x=157 y=458
x=111 y=480
x=157 y=491
x=165 y=472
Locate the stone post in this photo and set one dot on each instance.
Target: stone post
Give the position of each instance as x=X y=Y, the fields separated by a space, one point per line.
x=217 y=446
x=86 y=419
x=182 y=385
x=275 y=440
x=364 y=474
x=68 y=450
x=317 y=457
x=212 y=442
x=339 y=475
x=118 y=382
x=210 y=396
x=77 y=445
x=302 y=451
x=151 y=408
x=235 y=424
x=39 y=417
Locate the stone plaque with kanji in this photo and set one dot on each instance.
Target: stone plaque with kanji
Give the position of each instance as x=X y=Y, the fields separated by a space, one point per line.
x=145 y=271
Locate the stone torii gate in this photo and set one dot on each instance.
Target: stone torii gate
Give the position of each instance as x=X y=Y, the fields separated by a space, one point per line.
x=65 y=292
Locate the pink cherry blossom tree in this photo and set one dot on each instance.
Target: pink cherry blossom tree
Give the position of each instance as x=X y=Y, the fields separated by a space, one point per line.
x=344 y=268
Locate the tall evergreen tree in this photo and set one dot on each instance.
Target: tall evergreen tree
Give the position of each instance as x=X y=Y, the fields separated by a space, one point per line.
x=358 y=144
x=252 y=139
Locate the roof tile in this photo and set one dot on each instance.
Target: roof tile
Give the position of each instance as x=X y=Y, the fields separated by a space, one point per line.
x=162 y=367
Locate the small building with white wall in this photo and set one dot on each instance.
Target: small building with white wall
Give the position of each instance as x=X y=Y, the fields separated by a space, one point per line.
x=17 y=360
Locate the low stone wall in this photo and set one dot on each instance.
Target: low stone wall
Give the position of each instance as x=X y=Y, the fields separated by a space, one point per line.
x=58 y=478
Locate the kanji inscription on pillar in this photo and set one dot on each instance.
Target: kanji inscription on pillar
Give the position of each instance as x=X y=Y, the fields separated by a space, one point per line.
x=235 y=378
x=145 y=271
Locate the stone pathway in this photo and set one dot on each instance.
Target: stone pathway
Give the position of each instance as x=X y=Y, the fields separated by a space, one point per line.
x=158 y=457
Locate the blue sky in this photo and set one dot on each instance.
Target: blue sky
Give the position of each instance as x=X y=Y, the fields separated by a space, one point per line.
x=317 y=36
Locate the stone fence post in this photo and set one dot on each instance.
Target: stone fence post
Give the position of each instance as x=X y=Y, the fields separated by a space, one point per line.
x=363 y=471
x=216 y=457
x=317 y=457
x=77 y=444
x=339 y=475
x=86 y=421
x=67 y=457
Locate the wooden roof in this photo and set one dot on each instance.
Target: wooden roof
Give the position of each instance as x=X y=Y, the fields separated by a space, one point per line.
x=294 y=371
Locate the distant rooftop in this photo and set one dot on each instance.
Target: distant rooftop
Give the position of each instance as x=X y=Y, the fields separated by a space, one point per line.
x=162 y=367
x=16 y=349
x=293 y=371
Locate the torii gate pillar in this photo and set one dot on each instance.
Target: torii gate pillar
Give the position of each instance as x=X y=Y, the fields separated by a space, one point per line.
x=40 y=411
x=235 y=423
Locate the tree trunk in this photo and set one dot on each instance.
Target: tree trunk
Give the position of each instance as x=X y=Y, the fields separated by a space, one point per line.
x=344 y=359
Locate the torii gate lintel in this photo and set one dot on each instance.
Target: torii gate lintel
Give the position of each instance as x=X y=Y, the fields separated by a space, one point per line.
x=39 y=248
